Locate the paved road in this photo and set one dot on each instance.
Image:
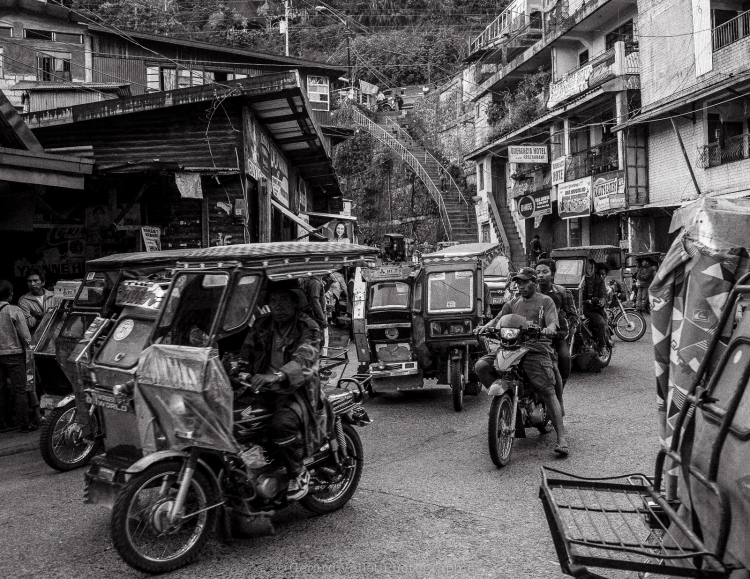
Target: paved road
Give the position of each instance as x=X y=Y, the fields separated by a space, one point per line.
x=430 y=504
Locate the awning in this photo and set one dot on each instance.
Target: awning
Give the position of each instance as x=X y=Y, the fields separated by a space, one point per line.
x=292 y=216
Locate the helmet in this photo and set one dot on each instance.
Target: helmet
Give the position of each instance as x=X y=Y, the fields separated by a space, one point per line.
x=510 y=329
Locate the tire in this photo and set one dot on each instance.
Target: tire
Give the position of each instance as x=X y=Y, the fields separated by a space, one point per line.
x=500 y=435
x=322 y=503
x=386 y=108
x=629 y=332
x=61 y=442
x=200 y=495
x=457 y=384
x=605 y=357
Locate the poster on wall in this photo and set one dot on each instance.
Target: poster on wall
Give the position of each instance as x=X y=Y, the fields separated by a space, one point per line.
x=252 y=160
x=535 y=205
x=265 y=158
x=527 y=154
x=151 y=238
x=609 y=192
x=574 y=198
x=279 y=179
x=558 y=170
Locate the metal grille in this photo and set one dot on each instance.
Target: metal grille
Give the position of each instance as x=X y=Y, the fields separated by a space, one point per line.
x=592 y=161
x=733 y=149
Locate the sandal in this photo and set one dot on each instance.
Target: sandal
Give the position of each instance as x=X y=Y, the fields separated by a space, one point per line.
x=561 y=451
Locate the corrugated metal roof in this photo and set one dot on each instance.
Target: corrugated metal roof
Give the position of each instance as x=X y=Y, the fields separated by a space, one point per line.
x=46 y=85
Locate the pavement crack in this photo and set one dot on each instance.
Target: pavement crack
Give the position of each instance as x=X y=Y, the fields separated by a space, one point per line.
x=391 y=459
x=423 y=502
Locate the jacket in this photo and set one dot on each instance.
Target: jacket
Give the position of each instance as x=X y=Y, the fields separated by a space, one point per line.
x=301 y=354
x=14 y=333
x=645 y=276
x=29 y=304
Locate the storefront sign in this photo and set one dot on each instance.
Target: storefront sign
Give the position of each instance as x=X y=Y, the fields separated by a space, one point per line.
x=151 y=238
x=528 y=154
x=570 y=85
x=535 y=205
x=574 y=198
x=558 y=170
x=609 y=192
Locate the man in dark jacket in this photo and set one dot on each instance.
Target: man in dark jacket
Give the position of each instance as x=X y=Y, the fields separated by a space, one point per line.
x=643 y=279
x=14 y=339
x=282 y=350
x=593 y=297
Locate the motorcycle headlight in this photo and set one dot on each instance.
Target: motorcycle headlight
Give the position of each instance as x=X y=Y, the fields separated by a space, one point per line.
x=391 y=333
x=509 y=333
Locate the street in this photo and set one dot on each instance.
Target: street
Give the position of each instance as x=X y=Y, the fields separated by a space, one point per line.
x=430 y=503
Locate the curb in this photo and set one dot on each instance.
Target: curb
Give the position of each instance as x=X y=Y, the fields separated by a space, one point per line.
x=25 y=447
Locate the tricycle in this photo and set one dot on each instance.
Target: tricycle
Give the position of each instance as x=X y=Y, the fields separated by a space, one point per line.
x=450 y=301
x=198 y=449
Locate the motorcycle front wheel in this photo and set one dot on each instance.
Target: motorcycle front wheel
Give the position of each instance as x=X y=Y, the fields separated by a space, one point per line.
x=61 y=440
x=631 y=329
x=457 y=384
x=500 y=436
x=326 y=496
x=140 y=527
x=605 y=356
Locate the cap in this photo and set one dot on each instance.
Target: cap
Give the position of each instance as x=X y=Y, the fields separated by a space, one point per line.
x=291 y=287
x=525 y=273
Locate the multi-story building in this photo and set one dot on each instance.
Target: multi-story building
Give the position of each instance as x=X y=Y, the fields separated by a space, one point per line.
x=695 y=81
x=554 y=78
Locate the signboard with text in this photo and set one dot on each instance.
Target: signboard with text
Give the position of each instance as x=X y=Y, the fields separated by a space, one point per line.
x=279 y=177
x=151 y=238
x=609 y=191
x=527 y=154
x=535 y=205
x=558 y=170
x=570 y=85
x=574 y=198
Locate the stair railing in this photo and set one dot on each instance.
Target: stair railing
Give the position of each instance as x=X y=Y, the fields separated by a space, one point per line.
x=388 y=139
x=389 y=121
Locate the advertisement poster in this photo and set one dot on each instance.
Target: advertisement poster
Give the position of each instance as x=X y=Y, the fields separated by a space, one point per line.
x=609 y=192
x=535 y=205
x=265 y=158
x=279 y=179
x=151 y=238
x=574 y=198
x=528 y=154
x=568 y=86
x=558 y=170
x=252 y=162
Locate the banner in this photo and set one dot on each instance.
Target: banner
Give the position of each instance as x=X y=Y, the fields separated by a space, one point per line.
x=574 y=198
x=609 y=192
x=568 y=86
x=558 y=170
x=535 y=205
x=189 y=185
x=151 y=238
x=527 y=154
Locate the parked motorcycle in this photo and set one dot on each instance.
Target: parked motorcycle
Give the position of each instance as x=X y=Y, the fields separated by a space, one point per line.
x=627 y=324
x=515 y=404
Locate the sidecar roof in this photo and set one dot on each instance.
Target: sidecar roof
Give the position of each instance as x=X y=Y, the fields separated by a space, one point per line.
x=464 y=252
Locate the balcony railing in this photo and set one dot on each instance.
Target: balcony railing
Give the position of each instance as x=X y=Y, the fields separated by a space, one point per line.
x=592 y=161
x=731 y=31
x=511 y=22
x=733 y=149
x=595 y=72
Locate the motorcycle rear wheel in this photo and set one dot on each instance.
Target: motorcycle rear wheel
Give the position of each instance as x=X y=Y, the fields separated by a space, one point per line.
x=605 y=356
x=457 y=384
x=61 y=441
x=632 y=331
x=500 y=435
x=339 y=492
x=139 y=518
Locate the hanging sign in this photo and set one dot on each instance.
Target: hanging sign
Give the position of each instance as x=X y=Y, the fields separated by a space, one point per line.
x=609 y=192
x=151 y=238
x=574 y=198
x=535 y=205
x=558 y=170
x=528 y=154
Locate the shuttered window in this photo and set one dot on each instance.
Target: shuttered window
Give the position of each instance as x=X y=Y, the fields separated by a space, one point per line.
x=152 y=78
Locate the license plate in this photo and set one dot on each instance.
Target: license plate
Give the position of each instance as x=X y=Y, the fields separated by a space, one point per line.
x=107 y=401
x=497 y=300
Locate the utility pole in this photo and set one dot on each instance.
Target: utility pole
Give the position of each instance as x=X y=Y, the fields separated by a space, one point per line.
x=349 y=61
x=286 y=24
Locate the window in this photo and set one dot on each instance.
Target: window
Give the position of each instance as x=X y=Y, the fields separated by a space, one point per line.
x=126 y=342
x=6 y=31
x=624 y=33
x=53 y=66
x=391 y=294
x=31 y=34
x=480 y=176
x=243 y=299
x=68 y=37
x=450 y=291
x=583 y=57
x=318 y=91
x=49 y=35
x=568 y=271
x=574 y=233
x=168 y=78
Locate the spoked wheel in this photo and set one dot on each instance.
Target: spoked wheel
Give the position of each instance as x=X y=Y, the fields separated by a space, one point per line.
x=605 y=356
x=61 y=440
x=141 y=530
x=631 y=329
x=500 y=434
x=457 y=384
x=331 y=490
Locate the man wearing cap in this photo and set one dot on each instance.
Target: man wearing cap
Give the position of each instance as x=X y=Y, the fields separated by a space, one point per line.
x=537 y=364
x=282 y=350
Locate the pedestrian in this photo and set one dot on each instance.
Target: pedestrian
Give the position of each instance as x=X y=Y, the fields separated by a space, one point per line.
x=399 y=102
x=442 y=179
x=535 y=249
x=38 y=301
x=643 y=278
x=14 y=339
x=314 y=290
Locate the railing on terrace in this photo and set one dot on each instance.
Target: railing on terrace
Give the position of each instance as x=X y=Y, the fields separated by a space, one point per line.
x=733 y=149
x=506 y=26
x=731 y=31
x=592 y=161
x=632 y=58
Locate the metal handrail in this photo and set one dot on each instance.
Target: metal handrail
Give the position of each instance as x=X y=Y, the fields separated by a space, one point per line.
x=731 y=31
x=384 y=137
x=389 y=121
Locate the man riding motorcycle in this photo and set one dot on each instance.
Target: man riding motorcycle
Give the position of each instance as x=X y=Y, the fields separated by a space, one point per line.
x=282 y=350
x=538 y=363
x=593 y=297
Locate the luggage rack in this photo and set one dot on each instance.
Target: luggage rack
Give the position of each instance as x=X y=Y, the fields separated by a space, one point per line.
x=604 y=522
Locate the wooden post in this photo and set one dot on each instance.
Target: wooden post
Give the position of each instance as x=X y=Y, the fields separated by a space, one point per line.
x=687 y=159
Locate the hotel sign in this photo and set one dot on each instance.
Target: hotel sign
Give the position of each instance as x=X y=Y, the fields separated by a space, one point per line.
x=528 y=154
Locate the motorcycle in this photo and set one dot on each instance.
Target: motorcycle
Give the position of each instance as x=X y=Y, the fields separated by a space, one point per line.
x=627 y=324
x=584 y=347
x=515 y=405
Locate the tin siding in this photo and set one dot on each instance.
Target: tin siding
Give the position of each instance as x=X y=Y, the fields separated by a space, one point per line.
x=108 y=69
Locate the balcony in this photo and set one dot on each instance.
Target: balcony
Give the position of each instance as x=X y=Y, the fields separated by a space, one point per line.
x=733 y=149
x=592 y=161
x=731 y=31
x=516 y=28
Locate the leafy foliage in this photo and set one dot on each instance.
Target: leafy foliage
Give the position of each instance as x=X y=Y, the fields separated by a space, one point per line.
x=521 y=106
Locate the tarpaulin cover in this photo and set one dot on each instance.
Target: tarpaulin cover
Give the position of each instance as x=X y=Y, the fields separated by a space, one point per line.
x=687 y=295
x=183 y=391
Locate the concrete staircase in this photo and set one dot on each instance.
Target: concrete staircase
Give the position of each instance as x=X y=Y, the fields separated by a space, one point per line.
x=508 y=231
x=457 y=212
